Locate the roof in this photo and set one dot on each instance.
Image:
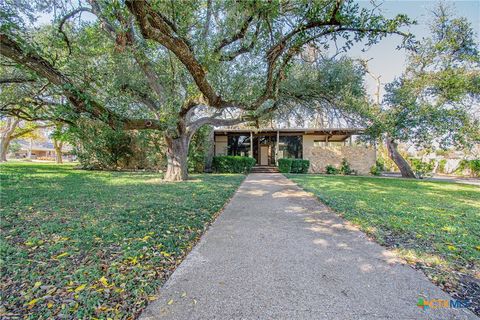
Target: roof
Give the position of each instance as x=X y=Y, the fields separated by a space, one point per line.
x=323 y=131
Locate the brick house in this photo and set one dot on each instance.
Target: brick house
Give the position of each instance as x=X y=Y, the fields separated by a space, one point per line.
x=321 y=146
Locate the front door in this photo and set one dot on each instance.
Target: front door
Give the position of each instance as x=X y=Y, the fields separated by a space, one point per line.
x=264 y=155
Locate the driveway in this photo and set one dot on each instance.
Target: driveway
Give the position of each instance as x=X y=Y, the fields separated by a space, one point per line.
x=278 y=253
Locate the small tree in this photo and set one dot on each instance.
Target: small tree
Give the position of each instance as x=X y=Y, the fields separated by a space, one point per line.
x=435 y=101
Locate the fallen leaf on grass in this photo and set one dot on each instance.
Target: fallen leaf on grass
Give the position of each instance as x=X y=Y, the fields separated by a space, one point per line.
x=80 y=288
x=62 y=255
x=104 y=281
x=170 y=302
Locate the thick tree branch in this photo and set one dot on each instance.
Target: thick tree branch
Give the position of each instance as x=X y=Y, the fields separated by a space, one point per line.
x=155 y=27
x=80 y=100
x=229 y=56
x=195 y=125
x=16 y=80
x=237 y=36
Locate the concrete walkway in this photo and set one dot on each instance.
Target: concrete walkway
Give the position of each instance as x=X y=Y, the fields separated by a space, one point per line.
x=277 y=253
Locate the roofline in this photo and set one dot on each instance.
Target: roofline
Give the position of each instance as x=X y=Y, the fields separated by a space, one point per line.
x=290 y=130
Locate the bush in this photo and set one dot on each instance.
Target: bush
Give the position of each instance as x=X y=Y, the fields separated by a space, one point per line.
x=475 y=167
x=378 y=168
x=99 y=147
x=232 y=164
x=442 y=164
x=472 y=165
x=345 y=168
x=421 y=169
x=293 y=165
x=305 y=165
x=329 y=169
x=198 y=149
x=285 y=165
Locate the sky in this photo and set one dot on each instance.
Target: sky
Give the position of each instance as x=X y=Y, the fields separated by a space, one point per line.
x=388 y=62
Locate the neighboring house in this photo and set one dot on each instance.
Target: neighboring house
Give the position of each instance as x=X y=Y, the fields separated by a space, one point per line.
x=321 y=146
x=36 y=150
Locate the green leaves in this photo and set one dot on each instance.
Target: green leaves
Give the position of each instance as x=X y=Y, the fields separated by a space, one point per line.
x=103 y=250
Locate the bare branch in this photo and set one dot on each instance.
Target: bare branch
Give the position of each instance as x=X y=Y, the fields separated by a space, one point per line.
x=237 y=36
x=16 y=80
x=64 y=19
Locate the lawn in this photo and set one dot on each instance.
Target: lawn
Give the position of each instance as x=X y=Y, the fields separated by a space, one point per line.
x=85 y=244
x=433 y=225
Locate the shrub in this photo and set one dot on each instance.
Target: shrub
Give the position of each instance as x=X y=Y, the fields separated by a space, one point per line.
x=472 y=165
x=305 y=165
x=345 y=168
x=442 y=165
x=232 y=164
x=475 y=167
x=378 y=168
x=198 y=149
x=293 y=165
x=285 y=165
x=300 y=166
x=329 y=169
x=99 y=147
x=421 y=169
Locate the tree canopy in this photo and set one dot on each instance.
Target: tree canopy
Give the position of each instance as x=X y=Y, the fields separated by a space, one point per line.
x=171 y=66
x=435 y=103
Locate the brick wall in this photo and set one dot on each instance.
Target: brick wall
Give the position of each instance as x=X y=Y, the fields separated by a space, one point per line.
x=361 y=158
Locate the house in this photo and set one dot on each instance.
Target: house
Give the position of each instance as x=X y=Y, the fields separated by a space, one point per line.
x=39 y=150
x=321 y=146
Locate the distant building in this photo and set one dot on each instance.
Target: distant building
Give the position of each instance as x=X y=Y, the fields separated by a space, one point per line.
x=39 y=150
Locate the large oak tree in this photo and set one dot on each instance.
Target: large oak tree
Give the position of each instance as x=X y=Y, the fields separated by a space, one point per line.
x=173 y=66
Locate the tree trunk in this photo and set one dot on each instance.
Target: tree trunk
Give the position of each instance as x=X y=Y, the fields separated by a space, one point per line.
x=7 y=136
x=210 y=151
x=401 y=163
x=4 y=143
x=58 y=151
x=177 y=153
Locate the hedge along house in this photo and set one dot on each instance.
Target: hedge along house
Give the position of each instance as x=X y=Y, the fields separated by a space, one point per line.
x=321 y=146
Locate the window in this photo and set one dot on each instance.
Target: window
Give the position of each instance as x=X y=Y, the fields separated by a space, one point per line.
x=239 y=146
x=336 y=143
x=319 y=143
x=290 y=147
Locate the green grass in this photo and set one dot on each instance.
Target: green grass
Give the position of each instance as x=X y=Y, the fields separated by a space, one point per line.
x=435 y=225
x=84 y=244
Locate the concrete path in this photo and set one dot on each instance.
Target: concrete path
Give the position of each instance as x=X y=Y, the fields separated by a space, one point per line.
x=277 y=253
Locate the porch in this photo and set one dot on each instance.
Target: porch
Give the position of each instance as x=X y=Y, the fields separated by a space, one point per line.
x=266 y=146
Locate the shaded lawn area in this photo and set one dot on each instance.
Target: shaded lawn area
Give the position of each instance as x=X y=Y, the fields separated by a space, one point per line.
x=89 y=244
x=433 y=225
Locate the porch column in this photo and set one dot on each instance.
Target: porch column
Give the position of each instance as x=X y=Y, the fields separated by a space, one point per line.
x=277 y=147
x=251 y=144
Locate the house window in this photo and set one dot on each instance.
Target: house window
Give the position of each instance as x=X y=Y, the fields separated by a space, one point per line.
x=239 y=146
x=290 y=147
x=319 y=143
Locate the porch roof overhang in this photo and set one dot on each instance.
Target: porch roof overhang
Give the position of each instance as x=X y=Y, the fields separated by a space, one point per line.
x=333 y=134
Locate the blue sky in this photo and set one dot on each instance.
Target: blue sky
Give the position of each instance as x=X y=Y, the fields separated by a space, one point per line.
x=389 y=62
